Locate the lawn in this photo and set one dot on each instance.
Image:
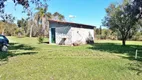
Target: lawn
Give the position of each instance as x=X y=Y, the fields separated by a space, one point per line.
x=104 y=60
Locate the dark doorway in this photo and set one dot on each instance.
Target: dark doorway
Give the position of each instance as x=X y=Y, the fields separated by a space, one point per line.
x=53 y=35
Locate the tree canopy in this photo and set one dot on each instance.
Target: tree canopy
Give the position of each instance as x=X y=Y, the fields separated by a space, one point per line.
x=137 y=8
x=24 y=3
x=121 y=18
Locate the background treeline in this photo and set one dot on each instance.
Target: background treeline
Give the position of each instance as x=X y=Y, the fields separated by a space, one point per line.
x=8 y=29
x=122 y=23
x=123 y=20
x=29 y=26
x=103 y=34
x=22 y=29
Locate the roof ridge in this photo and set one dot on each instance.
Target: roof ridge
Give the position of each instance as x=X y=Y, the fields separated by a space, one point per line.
x=71 y=23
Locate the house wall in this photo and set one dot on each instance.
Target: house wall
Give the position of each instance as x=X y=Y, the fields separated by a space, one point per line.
x=62 y=32
x=72 y=34
x=81 y=34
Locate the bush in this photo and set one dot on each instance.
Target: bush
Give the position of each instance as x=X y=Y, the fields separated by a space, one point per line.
x=137 y=37
x=97 y=37
x=90 y=40
x=40 y=39
x=102 y=37
x=20 y=32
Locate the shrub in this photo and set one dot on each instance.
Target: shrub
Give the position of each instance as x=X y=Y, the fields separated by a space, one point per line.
x=90 y=40
x=20 y=32
x=97 y=37
x=40 y=39
x=137 y=37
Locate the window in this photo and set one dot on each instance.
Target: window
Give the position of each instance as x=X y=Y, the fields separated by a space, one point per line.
x=1 y=37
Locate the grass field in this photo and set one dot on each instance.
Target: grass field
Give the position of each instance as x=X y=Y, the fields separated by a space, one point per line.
x=104 y=60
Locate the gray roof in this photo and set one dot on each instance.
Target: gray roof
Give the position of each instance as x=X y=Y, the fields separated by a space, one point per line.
x=74 y=24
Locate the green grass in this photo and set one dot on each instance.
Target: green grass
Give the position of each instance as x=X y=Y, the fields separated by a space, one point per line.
x=104 y=60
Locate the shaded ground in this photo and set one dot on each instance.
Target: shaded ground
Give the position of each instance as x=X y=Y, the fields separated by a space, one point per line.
x=16 y=49
x=118 y=49
x=129 y=50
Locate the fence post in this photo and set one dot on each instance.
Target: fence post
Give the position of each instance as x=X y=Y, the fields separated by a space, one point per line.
x=136 y=54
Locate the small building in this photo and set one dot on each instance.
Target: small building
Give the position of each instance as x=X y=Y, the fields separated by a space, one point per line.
x=69 y=33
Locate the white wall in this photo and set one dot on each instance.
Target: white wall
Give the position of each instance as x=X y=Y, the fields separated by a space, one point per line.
x=81 y=34
x=72 y=34
x=64 y=32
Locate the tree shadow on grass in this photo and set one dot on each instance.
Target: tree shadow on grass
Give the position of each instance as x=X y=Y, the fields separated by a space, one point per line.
x=129 y=50
x=14 y=46
x=16 y=49
x=136 y=66
x=118 y=49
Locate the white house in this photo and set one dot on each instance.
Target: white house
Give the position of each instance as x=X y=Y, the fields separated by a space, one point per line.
x=68 y=33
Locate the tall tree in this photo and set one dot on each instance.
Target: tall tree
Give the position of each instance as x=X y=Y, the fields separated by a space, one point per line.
x=2 y=24
x=49 y=15
x=24 y=3
x=23 y=24
x=6 y=18
x=100 y=30
x=55 y=16
x=121 y=18
x=26 y=6
x=42 y=19
x=58 y=16
x=137 y=7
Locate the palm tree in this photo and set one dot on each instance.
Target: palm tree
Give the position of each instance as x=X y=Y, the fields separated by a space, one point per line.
x=42 y=19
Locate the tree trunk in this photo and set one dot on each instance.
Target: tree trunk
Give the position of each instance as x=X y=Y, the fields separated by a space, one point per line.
x=123 y=42
x=3 y=32
x=31 y=31
x=43 y=25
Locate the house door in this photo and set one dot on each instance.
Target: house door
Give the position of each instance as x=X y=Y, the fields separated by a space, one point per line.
x=53 y=35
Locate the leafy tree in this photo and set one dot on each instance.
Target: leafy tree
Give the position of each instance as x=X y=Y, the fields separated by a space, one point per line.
x=42 y=17
x=120 y=18
x=24 y=3
x=7 y=28
x=58 y=16
x=55 y=16
x=7 y=19
x=137 y=8
x=100 y=30
x=49 y=15
x=23 y=24
x=2 y=24
x=34 y=26
x=26 y=7
x=97 y=31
